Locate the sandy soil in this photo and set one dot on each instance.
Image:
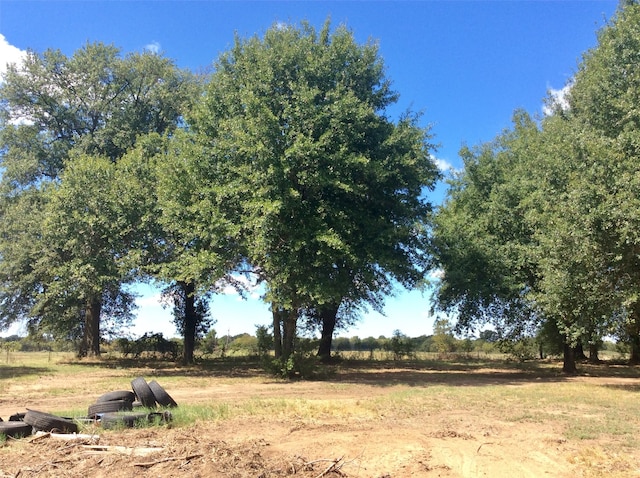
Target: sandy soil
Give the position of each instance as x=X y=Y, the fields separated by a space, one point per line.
x=450 y=443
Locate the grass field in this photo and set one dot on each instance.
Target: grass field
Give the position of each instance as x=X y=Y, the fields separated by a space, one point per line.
x=455 y=417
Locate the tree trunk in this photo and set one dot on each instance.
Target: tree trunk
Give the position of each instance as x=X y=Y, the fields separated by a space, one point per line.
x=593 y=352
x=328 y=315
x=289 y=324
x=578 y=352
x=632 y=328
x=90 y=345
x=190 y=320
x=569 y=365
x=277 y=331
x=634 y=342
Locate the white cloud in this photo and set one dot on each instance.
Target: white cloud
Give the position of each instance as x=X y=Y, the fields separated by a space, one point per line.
x=436 y=274
x=557 y=99
x=9 y=54
x=443 y=165
x=153 y=47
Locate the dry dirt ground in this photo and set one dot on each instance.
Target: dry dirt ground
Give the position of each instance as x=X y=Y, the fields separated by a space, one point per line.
x=441 y=442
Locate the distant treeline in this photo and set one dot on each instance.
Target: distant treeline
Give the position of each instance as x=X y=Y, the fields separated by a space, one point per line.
x=398 y=345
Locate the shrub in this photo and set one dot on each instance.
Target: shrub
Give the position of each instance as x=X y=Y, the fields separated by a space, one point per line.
x=521 y=350
x=302 y=363
x=400 y=345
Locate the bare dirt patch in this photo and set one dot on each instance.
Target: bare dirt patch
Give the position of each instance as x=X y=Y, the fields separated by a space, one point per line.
x=382 y=420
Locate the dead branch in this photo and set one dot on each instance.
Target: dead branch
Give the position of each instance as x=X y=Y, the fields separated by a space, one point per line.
x=164 y=460
x=483 y=444
x=138 y=451
x=40 y=436
x=334 y=466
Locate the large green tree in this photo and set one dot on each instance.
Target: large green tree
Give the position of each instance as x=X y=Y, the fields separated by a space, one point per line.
x=89 y=226
x=574 y=284
x=326 y=191
x=195 y=252
x=516 y=239
x=482 y=240
x=593 y=257
x=556 y=230
x=89 y=108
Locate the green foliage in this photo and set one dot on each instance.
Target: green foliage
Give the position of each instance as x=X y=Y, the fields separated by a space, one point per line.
x=481 y=238
x=542 y=225
x=290 y=166
x=520 y=350
x=301 y=364
x=549 y=338
x=66 y=123
x=443 y=339
x=324 y=191
x=400 y=345
x=149 y=344
x=209 y=344
x=264 y=340
x=588 y=221
x=245 y=343
x=35 y=343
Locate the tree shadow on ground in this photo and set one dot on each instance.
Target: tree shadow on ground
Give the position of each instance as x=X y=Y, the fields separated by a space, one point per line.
x=381 y=373
x=15 y=371
x=476 y=372
x=627 y=387
x=226 y=367
x=458 y=373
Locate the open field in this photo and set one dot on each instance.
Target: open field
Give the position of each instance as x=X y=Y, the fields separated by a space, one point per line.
x=362 y=419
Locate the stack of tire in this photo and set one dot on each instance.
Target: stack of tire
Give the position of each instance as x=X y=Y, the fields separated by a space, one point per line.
x=115 y=409
x=112 y=410
x=23 y=424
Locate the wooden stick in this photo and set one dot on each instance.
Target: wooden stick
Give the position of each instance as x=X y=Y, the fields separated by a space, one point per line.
x=164 y=460
x=332 y=467
x=138 y=451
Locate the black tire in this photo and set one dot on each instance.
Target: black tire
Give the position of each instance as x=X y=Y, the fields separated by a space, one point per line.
x=124 y=420
x=49 y=423
x=17 y=417
x=143 y=392
x=117 y=395
x=15 y=429
x=161 y=395
x=106 y=407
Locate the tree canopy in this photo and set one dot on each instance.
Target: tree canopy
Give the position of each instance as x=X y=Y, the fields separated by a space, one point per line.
x=65 y=124
x=287 y=165
x=329 y=190
x=547 y=215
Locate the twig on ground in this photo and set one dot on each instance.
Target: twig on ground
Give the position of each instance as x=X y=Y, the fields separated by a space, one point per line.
x=482 y=444
x=332 y=467
x=136 y=451
x=40 y=436
x=169 y=458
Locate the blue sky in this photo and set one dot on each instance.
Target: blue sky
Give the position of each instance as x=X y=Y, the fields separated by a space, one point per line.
x=466 y=65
